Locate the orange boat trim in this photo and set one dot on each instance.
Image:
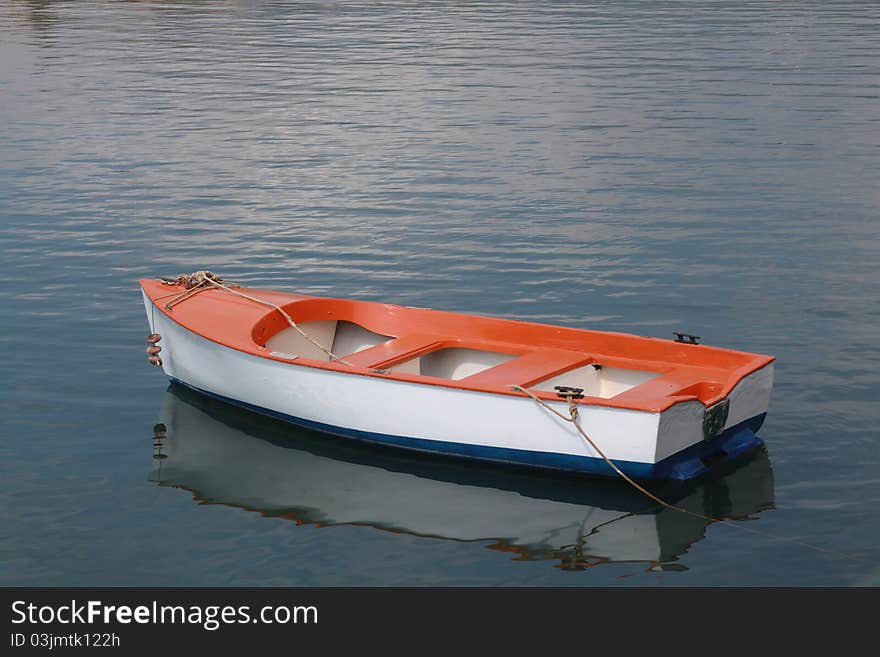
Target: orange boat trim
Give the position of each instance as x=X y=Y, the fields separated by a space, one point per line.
x=540 y=351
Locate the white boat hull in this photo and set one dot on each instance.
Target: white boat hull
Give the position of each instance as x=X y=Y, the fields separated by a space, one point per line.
x=486 y=426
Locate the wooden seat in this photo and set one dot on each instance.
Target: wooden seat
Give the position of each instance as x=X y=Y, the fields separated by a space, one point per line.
x=681 y=383
x=529 y=368
x=392 y=351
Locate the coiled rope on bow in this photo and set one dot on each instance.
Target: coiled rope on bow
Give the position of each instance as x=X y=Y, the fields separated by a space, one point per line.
x=202 y=280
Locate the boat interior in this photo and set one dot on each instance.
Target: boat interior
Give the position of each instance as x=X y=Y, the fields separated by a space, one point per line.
x=486 y=353
x=432 y=356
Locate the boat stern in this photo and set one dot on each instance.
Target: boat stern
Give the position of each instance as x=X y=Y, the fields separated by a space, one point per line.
x=693 y=438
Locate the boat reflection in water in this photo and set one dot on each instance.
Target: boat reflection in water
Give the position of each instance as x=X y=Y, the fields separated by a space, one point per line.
x=226 y=455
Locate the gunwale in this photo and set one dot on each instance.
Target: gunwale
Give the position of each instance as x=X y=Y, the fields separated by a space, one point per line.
x=541 y=351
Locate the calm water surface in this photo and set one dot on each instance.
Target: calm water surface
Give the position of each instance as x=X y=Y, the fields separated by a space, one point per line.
x=632 y=166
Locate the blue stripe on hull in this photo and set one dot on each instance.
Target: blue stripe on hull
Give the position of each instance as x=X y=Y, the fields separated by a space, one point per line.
x=695 y=461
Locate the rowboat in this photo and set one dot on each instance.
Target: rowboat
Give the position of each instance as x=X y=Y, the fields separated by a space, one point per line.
x=474 y=387
x=224 y=455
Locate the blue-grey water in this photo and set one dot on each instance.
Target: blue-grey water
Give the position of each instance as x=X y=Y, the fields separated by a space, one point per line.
x=638 y=166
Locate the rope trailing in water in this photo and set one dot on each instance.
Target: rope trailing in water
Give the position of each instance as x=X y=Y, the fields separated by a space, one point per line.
x=200 y=281
x=730 y=522
x=574 y=419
